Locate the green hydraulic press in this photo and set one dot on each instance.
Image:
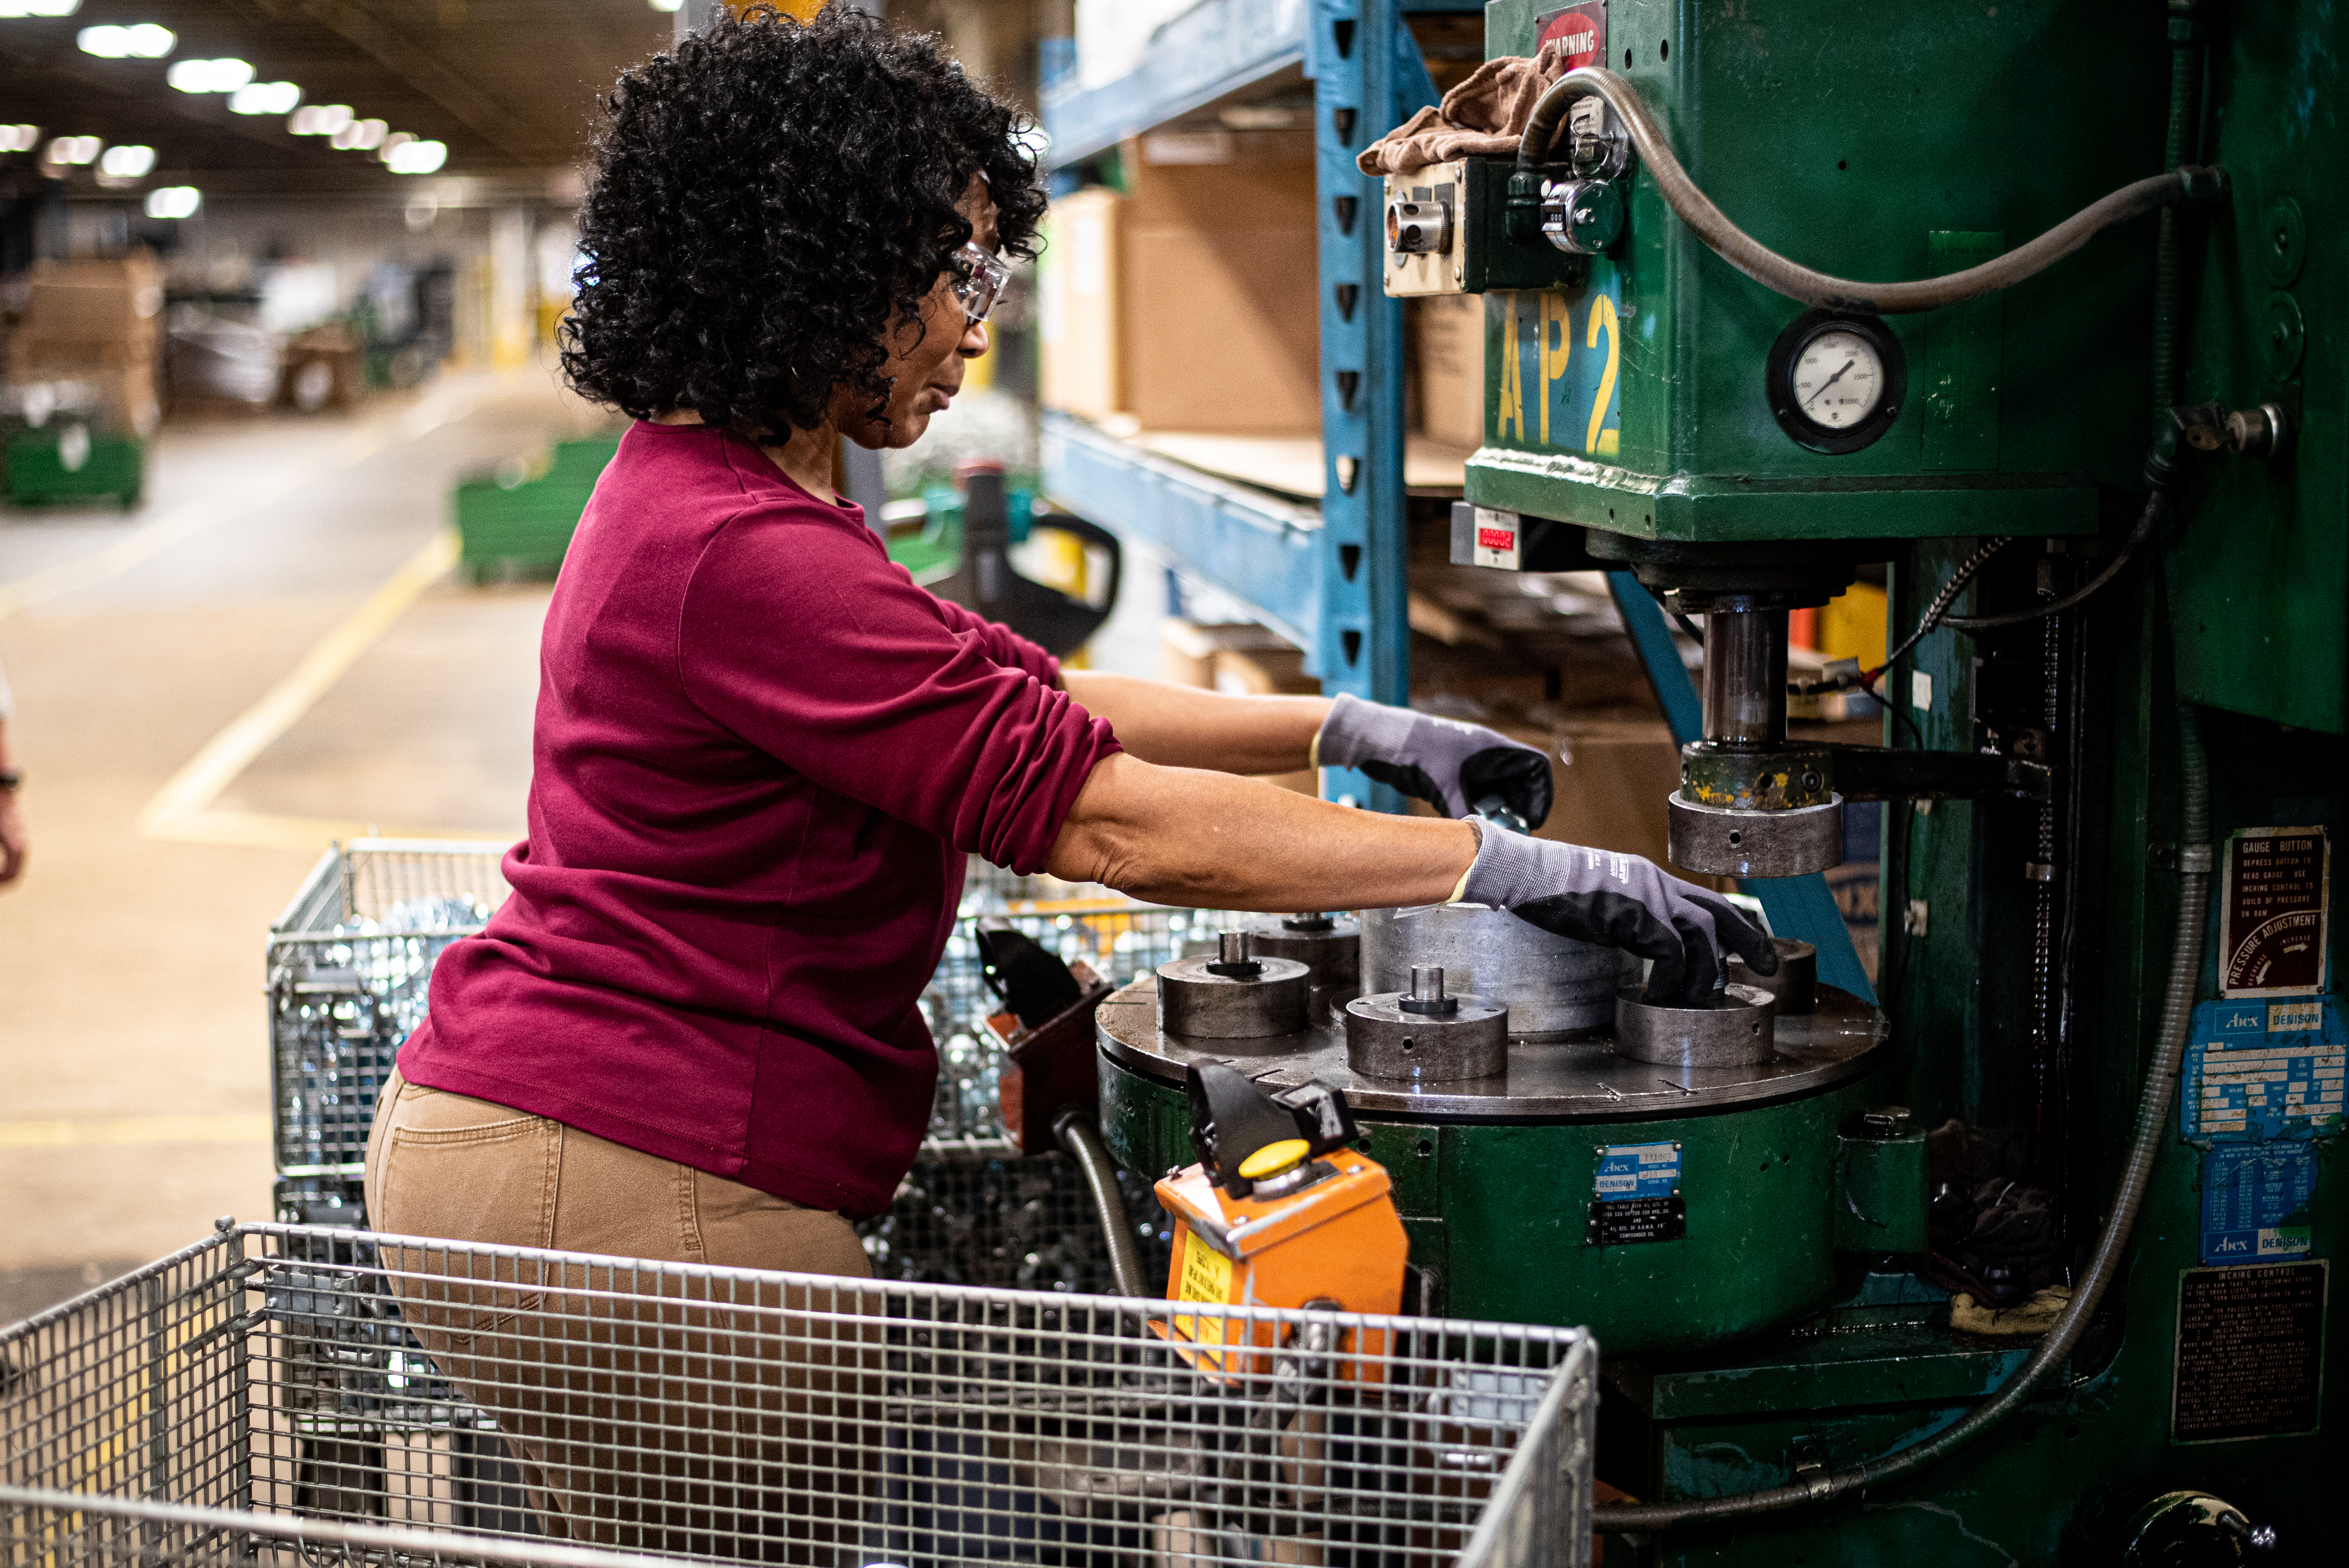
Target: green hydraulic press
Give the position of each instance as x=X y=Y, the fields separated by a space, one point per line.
x=2089 y=413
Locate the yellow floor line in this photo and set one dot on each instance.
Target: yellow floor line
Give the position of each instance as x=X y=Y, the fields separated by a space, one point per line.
x=189 y=792
x=181 y=523
x=135 y=1130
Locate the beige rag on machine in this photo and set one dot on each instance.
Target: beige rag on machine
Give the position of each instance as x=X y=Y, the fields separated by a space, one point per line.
x=1482 y=118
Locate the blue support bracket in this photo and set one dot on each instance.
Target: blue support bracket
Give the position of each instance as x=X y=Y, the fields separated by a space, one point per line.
x=1368 y=77
x=1800 y=907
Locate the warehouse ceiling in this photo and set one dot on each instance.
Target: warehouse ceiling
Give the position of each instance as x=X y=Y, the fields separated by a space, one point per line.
x=510 y=87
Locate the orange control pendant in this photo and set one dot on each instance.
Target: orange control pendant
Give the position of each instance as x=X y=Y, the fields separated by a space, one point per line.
x=1327 y=1236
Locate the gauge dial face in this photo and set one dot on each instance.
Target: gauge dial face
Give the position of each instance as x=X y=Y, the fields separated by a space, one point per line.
x=1837 y=379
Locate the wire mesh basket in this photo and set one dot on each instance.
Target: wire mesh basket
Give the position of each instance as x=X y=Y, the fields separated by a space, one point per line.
x=351 y=959
x=350 y=963
x=259 y=1389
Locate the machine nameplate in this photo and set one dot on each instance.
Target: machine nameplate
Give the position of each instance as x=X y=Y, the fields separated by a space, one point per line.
x=1635 y=1195
x=2273 y=918
x=2255 y=1202
x=1636 y=1220
x=2250 y=1344
x=2264 y=1070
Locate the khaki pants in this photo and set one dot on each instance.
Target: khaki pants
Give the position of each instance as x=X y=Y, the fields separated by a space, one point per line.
x=716 y=1418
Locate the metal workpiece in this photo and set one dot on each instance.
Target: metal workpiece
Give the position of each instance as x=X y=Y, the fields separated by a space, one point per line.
x=1737 y=1030
x=1713 y=841
x=1233 y=995
x=1329 y=945
x=1553 y=987
x=1426 y=1034
x=1582 y=1080
x=1794 y=988
x=1745 y=679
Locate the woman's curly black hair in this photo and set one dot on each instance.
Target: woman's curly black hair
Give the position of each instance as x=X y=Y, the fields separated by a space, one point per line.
x=769 y=199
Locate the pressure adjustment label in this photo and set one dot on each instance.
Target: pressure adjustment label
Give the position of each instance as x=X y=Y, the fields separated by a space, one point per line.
x=1636 y=1195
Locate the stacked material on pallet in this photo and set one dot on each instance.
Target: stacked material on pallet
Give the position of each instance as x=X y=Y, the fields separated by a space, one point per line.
x=88 y=334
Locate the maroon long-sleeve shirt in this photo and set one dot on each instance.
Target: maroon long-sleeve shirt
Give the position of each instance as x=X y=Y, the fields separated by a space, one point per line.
x=761 y=754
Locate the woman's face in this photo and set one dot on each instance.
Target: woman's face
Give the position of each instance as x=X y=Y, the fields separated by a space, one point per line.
x=925 y=374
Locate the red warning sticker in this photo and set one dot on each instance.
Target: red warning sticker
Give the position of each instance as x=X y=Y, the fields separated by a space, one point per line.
x=1581 y=29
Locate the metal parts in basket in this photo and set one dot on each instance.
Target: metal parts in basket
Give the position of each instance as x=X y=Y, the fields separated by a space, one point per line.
x=350 y=962
x=837 y=1420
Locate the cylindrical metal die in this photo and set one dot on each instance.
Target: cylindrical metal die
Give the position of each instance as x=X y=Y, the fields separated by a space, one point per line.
x=1552 y=986
x=1795 y=988
x=1717 y=842
x=1328 y=945
x=1385 y=1041
x=1196 y=1005
x=1736 y=1033
x=1745 y=678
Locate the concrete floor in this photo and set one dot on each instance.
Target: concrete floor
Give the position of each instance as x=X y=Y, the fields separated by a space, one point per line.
x=133 y=1073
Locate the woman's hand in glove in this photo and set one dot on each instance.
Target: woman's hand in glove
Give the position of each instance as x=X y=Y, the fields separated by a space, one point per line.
x=1454 y=767
x=1621 y=901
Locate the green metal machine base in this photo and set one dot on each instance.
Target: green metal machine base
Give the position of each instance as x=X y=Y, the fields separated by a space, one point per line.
x=1499 y=1213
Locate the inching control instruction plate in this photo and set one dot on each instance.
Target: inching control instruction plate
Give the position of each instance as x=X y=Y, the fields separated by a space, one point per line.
x=2250 y=1352
x=1636 y=1195
x=2264 y=1070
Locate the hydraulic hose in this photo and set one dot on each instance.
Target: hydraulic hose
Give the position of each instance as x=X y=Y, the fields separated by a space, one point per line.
x=1078 y=1136
x=2104 y=1264
x=1796 y=281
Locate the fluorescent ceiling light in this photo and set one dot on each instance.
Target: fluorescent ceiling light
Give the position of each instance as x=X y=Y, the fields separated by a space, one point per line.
x=320 y=118
x=417 y=157
x=222 y=75
x=265 y=98
x=146 y=41
x=361 y=135
x=19 y=138
x=173 y=202
x=10 y=9
x=73 y=150
x=127 y=162
x=667 y=4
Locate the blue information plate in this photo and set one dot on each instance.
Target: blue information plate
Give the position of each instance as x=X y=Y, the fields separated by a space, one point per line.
x=2255 y=1202
x=2258 y=1069
x=1638 y=1171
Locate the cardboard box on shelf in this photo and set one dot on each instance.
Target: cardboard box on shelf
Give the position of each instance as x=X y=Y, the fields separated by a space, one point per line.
x=1221 y=307
x=1081 y=323
x=1448 y=363
x=1187 y=649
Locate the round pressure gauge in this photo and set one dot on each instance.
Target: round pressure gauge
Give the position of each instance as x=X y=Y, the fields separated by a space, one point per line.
x=1836 y=380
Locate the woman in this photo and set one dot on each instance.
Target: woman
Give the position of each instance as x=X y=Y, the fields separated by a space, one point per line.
x=762 y=754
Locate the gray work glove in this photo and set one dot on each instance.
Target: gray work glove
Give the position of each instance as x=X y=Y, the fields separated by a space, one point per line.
x=1456 y=768
x=1619 y=901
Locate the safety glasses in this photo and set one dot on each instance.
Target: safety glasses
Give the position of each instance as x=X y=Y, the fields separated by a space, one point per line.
x=980 y=277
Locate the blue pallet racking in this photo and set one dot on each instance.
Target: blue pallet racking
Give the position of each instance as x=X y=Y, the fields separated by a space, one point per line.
x=1331 y=580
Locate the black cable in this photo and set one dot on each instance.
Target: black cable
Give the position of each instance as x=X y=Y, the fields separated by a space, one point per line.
x=1938 y=608
x=2156 y=505
x=1689 y=626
